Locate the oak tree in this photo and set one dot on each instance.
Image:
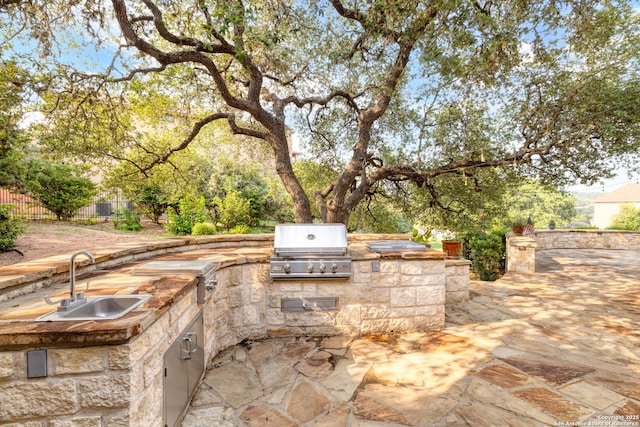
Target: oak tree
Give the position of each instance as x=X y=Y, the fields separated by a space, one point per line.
x=390 y=93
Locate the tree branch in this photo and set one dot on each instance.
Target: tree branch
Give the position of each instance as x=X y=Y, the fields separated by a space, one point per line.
x=184 y=56
x=323 y=100
x=195 y=130
x=238 y=130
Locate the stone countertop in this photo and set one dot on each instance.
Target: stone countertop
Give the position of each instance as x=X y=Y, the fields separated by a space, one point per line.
x=18 y=327
x=359 y=251
x=17 y=275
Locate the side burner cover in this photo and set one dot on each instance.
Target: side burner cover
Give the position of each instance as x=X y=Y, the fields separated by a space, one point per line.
x=174 y=267
x=204 y=270
x=382 y=246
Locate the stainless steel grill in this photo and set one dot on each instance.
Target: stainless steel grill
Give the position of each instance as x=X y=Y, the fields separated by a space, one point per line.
x=310 y=251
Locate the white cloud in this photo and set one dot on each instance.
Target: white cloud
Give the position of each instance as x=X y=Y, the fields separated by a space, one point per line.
x=526 y=52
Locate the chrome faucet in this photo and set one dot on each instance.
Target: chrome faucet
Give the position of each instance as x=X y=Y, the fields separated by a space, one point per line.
x=72 y=275
x=75 y=298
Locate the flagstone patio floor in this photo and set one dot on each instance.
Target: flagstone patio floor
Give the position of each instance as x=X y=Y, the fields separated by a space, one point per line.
x=559 y=347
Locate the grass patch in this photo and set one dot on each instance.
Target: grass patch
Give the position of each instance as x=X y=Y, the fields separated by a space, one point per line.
x=436 y=244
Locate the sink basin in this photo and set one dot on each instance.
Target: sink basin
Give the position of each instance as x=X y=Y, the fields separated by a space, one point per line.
x=98 y=308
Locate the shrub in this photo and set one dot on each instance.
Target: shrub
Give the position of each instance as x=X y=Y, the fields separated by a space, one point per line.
x=233 y=210
x=151 y=201
x=204 y=229
x=259 y=191
x=628 y=218
x=421 y=235
x=61 y=189
x=487 y=252
x=126 y=220
x=10 y=229
x=189 y=212
x=240 y=229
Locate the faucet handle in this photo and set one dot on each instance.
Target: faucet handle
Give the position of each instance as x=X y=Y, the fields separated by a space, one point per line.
x=65 y=303
x=50 y=302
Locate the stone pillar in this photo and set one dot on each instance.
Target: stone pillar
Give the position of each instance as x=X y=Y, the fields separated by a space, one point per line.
x=457 y=280
x=521 y=253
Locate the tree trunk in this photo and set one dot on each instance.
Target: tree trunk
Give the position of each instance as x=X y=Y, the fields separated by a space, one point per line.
x=338 y=216
x=301 y=205
x=284 y=169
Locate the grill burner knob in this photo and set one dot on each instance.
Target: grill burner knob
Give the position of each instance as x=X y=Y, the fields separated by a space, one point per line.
x=287 y=268
x=310 y=268
x=323 y=268
x=334 y=268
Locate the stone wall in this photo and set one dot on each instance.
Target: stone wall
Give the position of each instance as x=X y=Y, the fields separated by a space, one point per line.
x=521 y=250
x=381 y=296
x=388 y=295
x=457 y=280
x=588 y=239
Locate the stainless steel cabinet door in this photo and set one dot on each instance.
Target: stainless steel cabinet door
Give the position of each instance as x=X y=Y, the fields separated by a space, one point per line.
x=183 y=369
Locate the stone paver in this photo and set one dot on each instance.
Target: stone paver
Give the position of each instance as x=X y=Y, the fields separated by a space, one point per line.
x=558 y=346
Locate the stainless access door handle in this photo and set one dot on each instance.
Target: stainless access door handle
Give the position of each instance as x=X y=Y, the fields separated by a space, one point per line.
x=191 y=342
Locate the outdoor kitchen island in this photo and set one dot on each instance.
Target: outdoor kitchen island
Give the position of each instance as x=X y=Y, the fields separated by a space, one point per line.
x=111 y=372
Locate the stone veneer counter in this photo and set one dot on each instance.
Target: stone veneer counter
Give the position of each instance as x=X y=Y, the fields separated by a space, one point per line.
x=110 y=372
x=17 y=315
x=18 y=328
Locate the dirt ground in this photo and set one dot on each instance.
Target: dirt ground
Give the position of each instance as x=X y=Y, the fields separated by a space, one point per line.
x=47 y=238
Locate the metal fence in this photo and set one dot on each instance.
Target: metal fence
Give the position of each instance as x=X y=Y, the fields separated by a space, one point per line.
x=104 y=205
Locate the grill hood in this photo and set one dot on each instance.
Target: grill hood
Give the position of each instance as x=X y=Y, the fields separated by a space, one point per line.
x=297 y=240
x=310 y=252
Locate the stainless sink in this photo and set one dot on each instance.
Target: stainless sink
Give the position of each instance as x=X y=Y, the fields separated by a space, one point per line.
x=98 y=308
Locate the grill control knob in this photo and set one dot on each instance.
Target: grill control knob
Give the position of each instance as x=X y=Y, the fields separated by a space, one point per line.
x=287 y=268
x=323 y=268
x=334 y=268
x=310 y=268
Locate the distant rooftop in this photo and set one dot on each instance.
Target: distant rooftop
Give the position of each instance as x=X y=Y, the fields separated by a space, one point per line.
x=626 y=194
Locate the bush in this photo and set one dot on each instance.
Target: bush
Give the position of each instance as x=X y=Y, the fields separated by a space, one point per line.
x=487 y=253
x=262 y=193
x=375 y=217
x=189 y=212
x=233 y=210
x=126 y=220
x=10 y=229
x=421 y=235
x=204 y=229
x=240 y=229
x=61 y=189
x=151 y=201
x=628 y=218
